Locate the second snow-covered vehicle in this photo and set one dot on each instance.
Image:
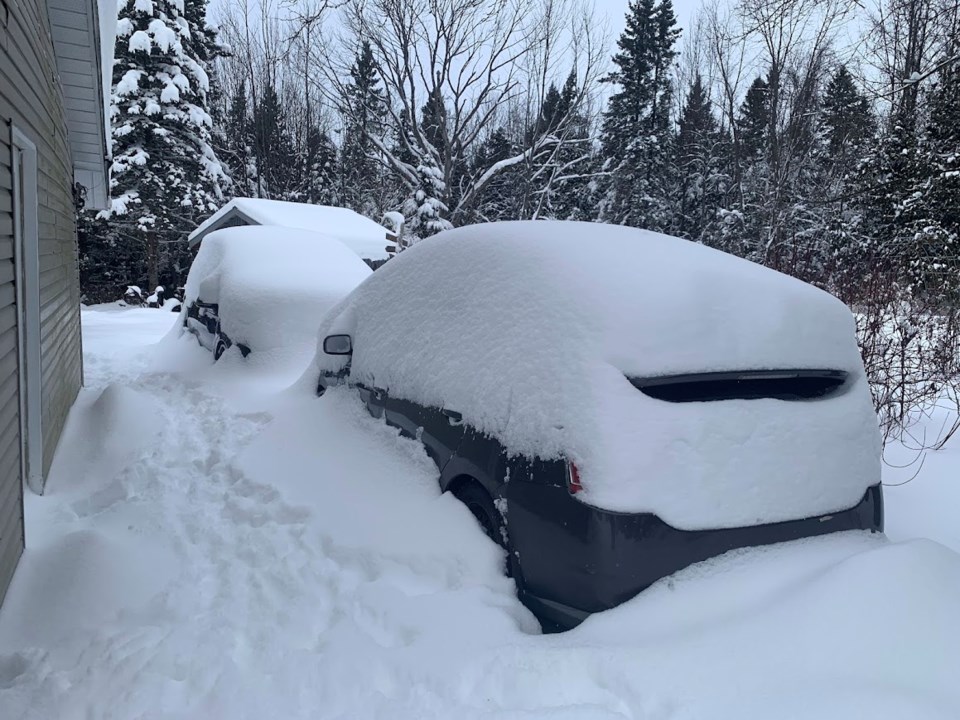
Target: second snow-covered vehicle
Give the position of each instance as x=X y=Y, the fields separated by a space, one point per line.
x=614 y=405
x=264 y=287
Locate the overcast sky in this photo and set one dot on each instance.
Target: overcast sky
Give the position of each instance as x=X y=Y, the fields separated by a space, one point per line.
x=613 y=11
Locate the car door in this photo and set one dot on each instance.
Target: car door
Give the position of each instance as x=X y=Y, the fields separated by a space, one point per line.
x=439 y=429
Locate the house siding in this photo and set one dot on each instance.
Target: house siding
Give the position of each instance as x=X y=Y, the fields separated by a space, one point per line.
x=31 y=98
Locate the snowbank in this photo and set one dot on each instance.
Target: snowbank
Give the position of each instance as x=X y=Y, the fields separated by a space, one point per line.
x=365 y=237
x=922 y=490
x=272 y=284
x=531 y=329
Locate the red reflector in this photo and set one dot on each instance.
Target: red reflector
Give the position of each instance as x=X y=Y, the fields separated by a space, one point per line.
x=573 y=478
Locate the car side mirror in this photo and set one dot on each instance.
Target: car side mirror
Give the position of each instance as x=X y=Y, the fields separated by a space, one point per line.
x=338 y=345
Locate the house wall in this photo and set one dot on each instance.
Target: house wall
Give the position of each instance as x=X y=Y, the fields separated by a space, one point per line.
x=31 y=98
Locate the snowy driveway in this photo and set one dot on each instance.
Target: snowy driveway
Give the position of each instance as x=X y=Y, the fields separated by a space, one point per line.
x=215 y=546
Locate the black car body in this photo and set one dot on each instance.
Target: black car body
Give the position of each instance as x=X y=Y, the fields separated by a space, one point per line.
x=570 y=559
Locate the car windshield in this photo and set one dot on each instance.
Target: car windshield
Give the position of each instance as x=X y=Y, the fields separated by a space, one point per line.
x=742 y=385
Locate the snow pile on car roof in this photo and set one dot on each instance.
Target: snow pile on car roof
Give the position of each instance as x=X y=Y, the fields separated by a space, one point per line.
x=272 y=284
x=530 y=330
x=365 y=237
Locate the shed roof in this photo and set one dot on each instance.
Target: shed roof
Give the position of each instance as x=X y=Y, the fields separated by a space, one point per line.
x=76 y=29
x=361 y=234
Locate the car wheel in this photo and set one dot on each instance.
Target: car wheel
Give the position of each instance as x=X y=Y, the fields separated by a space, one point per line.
x=219 y=350
x=480 y=504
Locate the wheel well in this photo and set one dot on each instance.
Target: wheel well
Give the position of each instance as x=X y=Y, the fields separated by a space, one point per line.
x=461 y=481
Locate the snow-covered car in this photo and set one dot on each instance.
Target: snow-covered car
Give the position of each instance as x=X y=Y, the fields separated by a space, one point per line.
x=265 y=287
x=612 y=404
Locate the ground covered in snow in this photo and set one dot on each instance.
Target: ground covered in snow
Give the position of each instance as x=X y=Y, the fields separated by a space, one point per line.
x=213 y=545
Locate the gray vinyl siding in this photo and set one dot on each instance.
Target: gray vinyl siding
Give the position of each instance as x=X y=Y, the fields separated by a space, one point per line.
x=31 y=97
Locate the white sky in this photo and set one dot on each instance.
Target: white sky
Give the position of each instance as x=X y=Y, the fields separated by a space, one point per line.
x=612 y=11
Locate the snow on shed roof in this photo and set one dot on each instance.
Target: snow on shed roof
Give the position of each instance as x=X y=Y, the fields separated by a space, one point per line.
x=361 y=234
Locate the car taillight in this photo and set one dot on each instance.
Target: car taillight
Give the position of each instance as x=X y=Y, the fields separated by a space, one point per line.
x=573 y=478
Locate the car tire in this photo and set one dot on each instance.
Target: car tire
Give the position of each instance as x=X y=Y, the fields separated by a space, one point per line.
x=220 y=349
x=481 y=506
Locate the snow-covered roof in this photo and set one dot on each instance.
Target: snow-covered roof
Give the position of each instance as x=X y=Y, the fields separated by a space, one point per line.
x=83 y=41
x=531 y=330
x=361 y=234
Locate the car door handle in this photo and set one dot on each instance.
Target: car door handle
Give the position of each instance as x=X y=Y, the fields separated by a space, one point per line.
x=452 y=416
x=375 y=392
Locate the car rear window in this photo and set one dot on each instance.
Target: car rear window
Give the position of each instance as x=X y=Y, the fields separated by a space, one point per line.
x=742 y=385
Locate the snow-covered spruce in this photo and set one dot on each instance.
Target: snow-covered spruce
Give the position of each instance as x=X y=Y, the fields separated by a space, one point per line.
x=165 y=173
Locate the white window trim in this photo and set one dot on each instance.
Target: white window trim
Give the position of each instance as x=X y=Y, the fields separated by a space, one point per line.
x=27 y=262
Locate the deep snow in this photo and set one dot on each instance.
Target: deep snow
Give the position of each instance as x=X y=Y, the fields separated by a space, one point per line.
x=210 y=547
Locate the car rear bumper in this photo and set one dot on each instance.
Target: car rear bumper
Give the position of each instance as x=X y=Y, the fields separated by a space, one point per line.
x=594 y=559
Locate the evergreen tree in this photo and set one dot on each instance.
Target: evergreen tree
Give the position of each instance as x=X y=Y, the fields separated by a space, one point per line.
x=425 y=206
x=929 y=212
x=272 y=146
x=849 y=122
x=636 y=127
x=320 y=168
x=165 y=174
x=753 y=124
x=848 y=141
x=364 y=108
x=238 y=141
x=699 y=158
x=569 y=194
x=433 y=120
x=498 y=201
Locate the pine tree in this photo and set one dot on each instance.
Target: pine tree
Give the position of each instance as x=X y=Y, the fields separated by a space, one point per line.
x=433 y=120
x=637 y=140
x=569 y=194
x=929 y=213
x=499 y=198
x=361 y=177
x=753 y=124
x=425 y=207
x=848 y=141
x=272 y=146
x=238 y=142
x=320 y=168
x=847 y=117
x=165 y=173
x=701 y=180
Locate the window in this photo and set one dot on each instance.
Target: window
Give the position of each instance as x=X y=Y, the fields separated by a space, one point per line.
x=743 y=385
